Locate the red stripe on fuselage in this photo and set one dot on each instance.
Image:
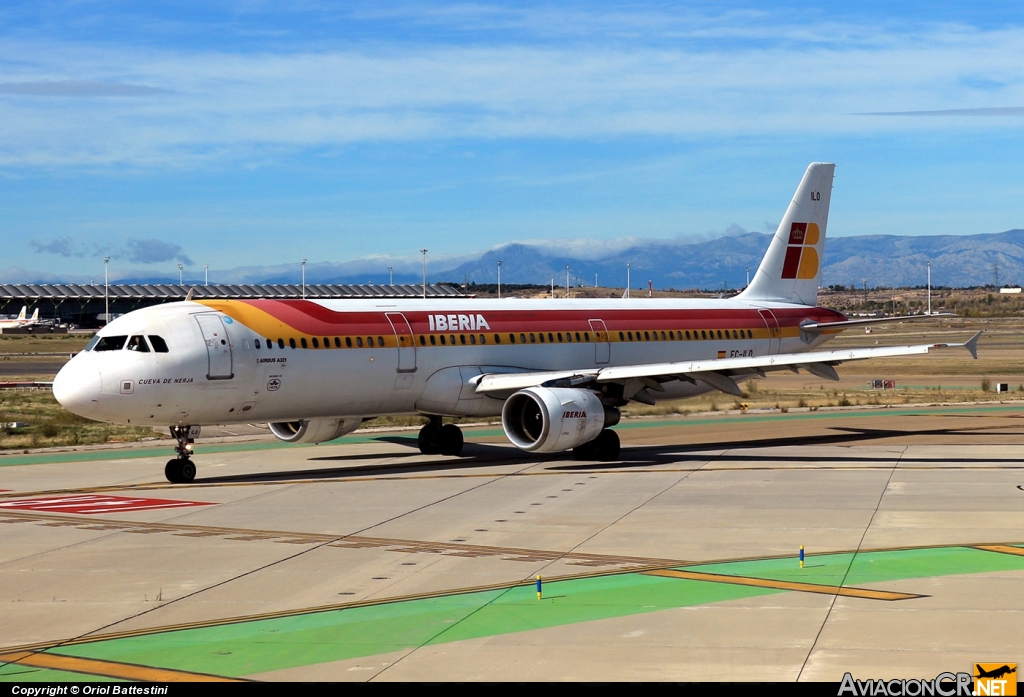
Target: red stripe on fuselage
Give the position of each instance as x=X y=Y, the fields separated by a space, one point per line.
x=316 y=320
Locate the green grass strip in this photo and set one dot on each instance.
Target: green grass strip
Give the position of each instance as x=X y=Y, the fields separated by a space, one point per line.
x=871 y=567
x=274 y=644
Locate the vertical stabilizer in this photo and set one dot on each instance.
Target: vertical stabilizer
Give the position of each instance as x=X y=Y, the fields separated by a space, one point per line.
x=21 y=315
x=35 y=315
x=791 y=268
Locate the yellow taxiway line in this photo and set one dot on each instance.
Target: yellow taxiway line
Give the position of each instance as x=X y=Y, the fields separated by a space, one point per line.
x=783 y=585
x=1002 y=549
x=108 y=669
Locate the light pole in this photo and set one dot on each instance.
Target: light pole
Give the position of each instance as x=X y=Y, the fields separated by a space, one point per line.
x=179 y=274
x=424 y=253
x=552 y=286
x=207 y=281
x=391 y=276
x=303 y=278
x=106 y=292
x=748 y=276
x=628 y=264
x=567 y=280
x=929 y=287
x=499 y=279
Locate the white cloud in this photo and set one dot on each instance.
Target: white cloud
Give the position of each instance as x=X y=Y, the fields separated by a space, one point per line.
x=190 y=108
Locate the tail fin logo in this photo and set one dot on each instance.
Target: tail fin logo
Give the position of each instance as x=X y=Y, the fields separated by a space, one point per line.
x=801 y=256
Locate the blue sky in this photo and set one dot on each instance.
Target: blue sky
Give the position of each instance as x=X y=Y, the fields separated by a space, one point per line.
x=249 y=134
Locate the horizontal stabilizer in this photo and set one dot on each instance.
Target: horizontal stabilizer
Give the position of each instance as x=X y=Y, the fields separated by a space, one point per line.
x=820 y=327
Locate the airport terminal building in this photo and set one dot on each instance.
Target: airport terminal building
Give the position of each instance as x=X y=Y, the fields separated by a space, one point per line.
x=84 y=305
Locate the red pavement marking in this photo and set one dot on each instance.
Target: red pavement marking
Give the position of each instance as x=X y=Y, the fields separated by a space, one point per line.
x=89 y=504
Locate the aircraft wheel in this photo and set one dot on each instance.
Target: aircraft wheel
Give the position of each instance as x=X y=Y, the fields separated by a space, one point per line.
x=450 y=440
x=428 y=440
x=180 y=471
x=587 y=451
x=171 y=471
x=607 y=445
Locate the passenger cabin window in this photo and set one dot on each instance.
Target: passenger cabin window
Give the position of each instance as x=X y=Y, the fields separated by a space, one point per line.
x=257 y=342
x=110 y=343
x=138 y=343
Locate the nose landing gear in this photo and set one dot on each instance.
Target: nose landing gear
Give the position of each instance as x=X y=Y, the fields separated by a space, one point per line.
x=181 y=469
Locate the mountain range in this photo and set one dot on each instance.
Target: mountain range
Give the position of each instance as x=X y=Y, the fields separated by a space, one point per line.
x=878 y=260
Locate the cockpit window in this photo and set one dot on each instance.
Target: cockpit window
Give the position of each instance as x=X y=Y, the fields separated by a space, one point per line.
x=92 y=342
x=110 y=343
x=138 y=343
x=159 y=345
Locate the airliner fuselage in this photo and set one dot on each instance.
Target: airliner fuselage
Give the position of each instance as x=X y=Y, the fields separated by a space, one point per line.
x=218 y=362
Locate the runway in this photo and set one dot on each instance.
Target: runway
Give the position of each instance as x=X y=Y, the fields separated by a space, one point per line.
x=365 y=560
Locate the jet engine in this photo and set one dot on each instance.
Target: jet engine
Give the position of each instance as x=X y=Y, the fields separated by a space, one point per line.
x=315 y=431
x=550 y=419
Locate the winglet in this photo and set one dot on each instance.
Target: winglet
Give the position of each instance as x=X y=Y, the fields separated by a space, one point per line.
x=972 y=345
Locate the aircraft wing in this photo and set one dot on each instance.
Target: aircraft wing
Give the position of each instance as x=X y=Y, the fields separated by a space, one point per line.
x=715 y=372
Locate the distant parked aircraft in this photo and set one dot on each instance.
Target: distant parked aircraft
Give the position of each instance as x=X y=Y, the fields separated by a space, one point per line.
x=21 y=320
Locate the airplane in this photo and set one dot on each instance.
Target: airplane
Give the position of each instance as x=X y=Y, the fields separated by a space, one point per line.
x=995 y=673
x=556 y=371
x=21 y=320
x=15 y=322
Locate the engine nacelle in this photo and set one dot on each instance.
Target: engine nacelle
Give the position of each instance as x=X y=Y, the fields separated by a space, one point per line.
x=315 y=431
x=550 y=419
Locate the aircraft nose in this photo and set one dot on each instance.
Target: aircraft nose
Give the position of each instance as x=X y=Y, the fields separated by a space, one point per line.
x=77 y=386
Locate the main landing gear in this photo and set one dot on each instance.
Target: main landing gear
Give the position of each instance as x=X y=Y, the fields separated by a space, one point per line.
x=181 y=469
x=604 y=448
x=436 y=438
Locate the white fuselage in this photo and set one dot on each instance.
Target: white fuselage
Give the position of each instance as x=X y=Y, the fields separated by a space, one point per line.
x=233 y=361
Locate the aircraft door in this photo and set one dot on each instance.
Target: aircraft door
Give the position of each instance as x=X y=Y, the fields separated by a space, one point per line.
x=218 y=346
x=406 y=349
x=774 y=333
x=602 y=349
